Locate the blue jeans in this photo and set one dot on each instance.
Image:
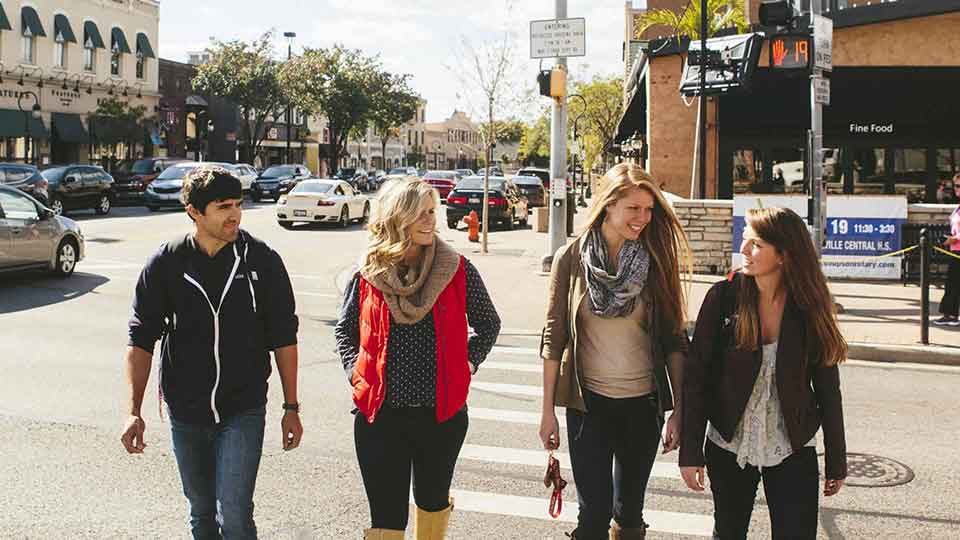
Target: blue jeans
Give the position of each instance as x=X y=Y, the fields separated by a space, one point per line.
x=218 y=467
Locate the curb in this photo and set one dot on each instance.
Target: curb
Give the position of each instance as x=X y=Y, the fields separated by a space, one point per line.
x=914 y=354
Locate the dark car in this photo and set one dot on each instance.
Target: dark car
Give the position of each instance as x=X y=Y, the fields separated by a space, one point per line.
x=442 y=181
x=26 y=178
x=542 y=174
x=506 y=204
x=72 y=187
x=358 y=178
x=278 y=180
x=130 y=184
x=532 y=188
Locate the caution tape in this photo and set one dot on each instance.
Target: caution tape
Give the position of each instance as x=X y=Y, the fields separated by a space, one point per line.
x=945 y=252
x=884 y=256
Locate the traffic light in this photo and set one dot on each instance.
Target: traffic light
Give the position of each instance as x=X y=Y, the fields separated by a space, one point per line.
x=543 y=80
x=552 y=83
x=776 y=13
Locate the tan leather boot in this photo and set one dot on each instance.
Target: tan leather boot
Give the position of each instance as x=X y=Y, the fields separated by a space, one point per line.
x=635 y=533
x=382 y=534
x=432 y=525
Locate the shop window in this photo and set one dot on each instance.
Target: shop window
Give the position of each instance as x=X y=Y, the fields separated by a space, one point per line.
x=89 y=58
x=28 y=46
x=948 y=167
x=768 y=170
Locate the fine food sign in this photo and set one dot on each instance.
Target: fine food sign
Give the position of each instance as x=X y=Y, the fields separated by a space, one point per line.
x=558 y=38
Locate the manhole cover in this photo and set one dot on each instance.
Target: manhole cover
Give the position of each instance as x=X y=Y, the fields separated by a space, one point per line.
x=865 y=470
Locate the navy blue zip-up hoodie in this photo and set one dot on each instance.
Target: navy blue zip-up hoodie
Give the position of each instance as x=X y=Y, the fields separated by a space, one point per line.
x=215 y=358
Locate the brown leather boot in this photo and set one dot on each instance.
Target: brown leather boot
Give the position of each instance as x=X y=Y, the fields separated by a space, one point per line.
x=382 y=534
x=432 y=525
x=634 y=533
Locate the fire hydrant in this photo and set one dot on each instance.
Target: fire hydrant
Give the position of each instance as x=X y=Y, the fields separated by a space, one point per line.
x=473 y=226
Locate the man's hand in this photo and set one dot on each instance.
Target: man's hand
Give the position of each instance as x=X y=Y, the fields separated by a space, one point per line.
x=291 y=430
x=132 y=435
x=693 y=477
x=671 y=437
x=831 y=487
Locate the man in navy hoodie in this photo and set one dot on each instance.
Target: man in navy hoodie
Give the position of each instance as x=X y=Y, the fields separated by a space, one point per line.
x=219 y=300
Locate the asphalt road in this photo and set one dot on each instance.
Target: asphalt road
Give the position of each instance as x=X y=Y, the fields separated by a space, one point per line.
x=64 y=474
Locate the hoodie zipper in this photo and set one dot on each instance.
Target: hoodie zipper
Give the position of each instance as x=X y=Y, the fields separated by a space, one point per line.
x=215 y=311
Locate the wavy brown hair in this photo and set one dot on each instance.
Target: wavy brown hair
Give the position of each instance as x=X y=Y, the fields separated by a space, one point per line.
x=803 y=279
x=663 y=238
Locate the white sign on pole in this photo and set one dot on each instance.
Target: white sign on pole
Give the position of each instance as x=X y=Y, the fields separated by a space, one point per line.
x=821 y=90
x=558 y=38
x=822 y=43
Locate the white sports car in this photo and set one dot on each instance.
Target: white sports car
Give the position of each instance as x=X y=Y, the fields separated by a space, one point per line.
x=319 y=201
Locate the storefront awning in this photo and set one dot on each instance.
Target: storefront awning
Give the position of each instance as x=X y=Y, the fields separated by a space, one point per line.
x=110 y=130
x=13 y=123
x=4 y=21
x=195 y=101
x=118 y=41
x=634 y=118
x=143 y=46
x=69 y=128
x=30 y=22
x=62 y=30
x=91 y=36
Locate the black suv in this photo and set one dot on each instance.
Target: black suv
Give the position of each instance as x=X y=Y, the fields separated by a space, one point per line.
x=507 y=204
x=26 y=178
x=278 y=180
x=357 y=178
x=79 y=186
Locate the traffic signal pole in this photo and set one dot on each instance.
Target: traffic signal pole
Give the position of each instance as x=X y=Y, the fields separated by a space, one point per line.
x=818 y=194
x=558 y=162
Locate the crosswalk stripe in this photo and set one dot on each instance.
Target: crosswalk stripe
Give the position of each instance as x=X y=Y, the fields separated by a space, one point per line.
x=517 y=456
x=513 y=417
x=513 y=366
x=504 y=388
x=502 y=349
x=535 y=508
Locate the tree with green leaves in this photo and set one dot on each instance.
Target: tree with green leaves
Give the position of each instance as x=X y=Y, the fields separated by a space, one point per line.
x=535 y=143
x=393 y=103
x=245 y=73
x=508 y=131
x=115 y=121
x=599 y=113
x=338 y=83
x=720 y=14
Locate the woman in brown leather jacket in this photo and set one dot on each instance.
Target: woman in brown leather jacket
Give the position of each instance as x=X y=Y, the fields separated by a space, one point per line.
x=615 y=327
x=763 y=370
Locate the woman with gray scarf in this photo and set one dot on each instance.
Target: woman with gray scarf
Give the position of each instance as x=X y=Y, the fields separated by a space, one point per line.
x=613 y=348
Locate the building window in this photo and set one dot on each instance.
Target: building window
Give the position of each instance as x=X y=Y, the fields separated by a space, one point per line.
x=89 y=58
x=60 y=54
x=115 y=60
x=141 y=66
x=28 y=47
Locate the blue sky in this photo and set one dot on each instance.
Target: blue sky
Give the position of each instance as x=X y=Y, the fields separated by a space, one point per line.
x=411 y=36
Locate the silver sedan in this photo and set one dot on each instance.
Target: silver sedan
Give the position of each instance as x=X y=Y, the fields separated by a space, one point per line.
x=32 y=236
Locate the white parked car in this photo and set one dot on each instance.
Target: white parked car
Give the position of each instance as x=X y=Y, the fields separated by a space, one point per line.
x=322 y=201
x=246 y=173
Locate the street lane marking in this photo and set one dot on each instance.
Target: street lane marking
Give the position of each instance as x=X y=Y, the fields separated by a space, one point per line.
x=517 y=456
x=513 y=366
x=536 y=508
x=504 y=388
x=513 y=417
x=317 y=294
x=500 y=349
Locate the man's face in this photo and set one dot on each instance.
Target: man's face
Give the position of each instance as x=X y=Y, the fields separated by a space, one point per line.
x=221 y=220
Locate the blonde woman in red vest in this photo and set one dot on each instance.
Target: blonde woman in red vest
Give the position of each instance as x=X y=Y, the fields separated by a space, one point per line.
x=403 y=339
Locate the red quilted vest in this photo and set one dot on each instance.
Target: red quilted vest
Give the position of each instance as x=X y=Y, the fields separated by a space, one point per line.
x=450 y=326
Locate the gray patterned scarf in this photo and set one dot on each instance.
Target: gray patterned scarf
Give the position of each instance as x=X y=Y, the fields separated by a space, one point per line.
x=613 y=295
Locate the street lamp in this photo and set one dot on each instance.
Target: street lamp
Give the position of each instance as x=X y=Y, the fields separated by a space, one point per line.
x=32 y=111
x=575 y=147
x=289 y=36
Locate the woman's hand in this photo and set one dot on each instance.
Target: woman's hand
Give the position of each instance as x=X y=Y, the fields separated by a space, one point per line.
x=693 y=477
x=832 y=487
x=950 y=241
x=671 y=436
x=550 y=431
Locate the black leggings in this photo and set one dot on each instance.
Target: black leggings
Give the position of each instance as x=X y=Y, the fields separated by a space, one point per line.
x=791 y=489
x=950 y=304
x=612 y=450
x=401 y=439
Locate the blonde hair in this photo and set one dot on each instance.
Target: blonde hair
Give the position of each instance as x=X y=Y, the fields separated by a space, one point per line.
x=663 y=238
x=401 y=202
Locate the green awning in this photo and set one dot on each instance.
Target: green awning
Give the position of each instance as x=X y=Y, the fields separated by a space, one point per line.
x=4 y=21
x=143 y=46
x=13 y=123
x=110 y=130
x=31 y=22
x=118 y=41
x=91 y=36
x=69 y=128
x=62 y=30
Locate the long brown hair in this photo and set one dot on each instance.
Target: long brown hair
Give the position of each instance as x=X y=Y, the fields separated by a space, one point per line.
x=804 y=282
x=663 y=238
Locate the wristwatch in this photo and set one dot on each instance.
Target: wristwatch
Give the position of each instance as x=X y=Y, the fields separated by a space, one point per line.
x=295 y=407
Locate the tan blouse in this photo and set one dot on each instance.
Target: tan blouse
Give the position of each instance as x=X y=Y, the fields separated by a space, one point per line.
x=615 y=354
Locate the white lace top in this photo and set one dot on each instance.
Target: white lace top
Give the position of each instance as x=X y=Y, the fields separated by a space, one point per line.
x=761 y=438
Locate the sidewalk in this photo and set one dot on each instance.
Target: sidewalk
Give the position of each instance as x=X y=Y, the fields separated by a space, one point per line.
x=881 y=321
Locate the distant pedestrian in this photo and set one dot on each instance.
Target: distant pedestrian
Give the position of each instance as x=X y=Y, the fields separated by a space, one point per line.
x=403 y=339
x=763 y=371
x=220 y=300
x=950 y=304
x=614 y=330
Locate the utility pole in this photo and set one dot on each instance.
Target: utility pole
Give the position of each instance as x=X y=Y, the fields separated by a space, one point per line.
x=702 y=135
x=558 y=161
x=819 y=94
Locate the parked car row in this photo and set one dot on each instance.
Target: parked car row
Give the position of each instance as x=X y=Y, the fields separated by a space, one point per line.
x=506 y=203
x=33 y=236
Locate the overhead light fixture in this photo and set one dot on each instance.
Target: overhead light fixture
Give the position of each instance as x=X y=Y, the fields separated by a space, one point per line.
x=76 y=87
x=139 y=95
x=20 y=82
x=124 y=92
x=110 y=92
x=89 y=89
x=64 y=85
x=40 y=84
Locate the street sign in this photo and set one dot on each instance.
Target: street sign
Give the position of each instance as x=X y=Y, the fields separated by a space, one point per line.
x=822 y=43
x=821 y=90
x=558 y=38
x=558 y=188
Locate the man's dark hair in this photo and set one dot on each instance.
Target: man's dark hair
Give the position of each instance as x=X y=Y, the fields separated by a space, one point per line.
x=207 y=184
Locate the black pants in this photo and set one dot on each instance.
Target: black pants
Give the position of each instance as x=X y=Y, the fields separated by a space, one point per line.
x=401 y=439
x=791 y=489
x=950 y=304
x=621 y=435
